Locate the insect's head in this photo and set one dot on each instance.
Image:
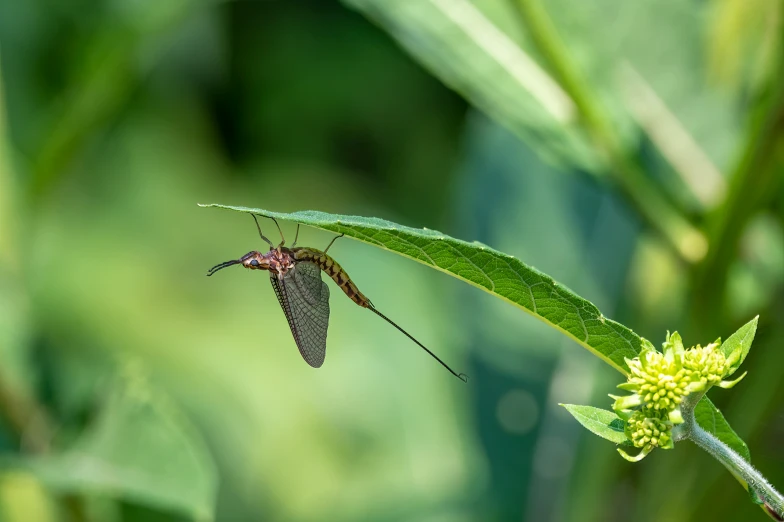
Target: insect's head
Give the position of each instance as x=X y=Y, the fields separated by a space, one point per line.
x=256 y=261
x=253 y=260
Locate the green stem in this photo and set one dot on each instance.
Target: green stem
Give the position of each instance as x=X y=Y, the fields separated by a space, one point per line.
x=25 y=418
x=753 y=185
x=643 y=193
x=22 y=415
x=771 y=501
x=103 y=80
x=76 y=507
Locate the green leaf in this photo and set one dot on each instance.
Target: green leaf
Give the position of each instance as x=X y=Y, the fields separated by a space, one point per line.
x=140 y=449
x=474 y=48
x=484 y=49
x=495 y=272
x=736 y=348
x=710 y=418
x=644 y=452
x=603 y=423
x=731 y=384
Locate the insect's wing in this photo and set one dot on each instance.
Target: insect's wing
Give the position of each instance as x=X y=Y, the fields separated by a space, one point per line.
x=304 y=298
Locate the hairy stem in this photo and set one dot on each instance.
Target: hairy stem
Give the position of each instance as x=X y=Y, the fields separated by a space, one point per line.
x=771 y=501
x=641 y=191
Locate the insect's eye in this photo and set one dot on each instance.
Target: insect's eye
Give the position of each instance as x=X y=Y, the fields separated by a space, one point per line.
x=254 y=262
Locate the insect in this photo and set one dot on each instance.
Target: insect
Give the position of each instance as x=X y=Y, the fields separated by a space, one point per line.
x=295 y=274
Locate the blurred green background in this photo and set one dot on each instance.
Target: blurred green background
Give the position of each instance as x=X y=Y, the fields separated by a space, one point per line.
x=638 y=162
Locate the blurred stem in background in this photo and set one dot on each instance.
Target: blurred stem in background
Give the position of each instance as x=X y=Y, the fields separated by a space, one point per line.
x=26 y=419
x=19 y=410
x=644 y=194
x=754 y=183
x=7 y=196
x=102 y=82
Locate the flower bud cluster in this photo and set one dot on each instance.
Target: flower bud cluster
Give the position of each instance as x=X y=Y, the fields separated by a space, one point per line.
x=649 y=431
x=659 y=381
x=706 y=365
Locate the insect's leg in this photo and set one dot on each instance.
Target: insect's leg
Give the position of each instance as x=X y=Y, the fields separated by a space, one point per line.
x=282 y=239
x=330 y=243
x=260 y=234
x=295 y=237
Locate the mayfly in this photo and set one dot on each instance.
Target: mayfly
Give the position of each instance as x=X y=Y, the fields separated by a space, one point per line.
x=295 y=274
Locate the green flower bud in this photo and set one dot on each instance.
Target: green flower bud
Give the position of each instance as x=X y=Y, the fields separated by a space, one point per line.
x=658 y=382
x=651 y=431
x=673 y=346
x=706 y=365
x=659 y=379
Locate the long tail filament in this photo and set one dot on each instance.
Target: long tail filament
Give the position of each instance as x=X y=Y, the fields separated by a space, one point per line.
x=463 y=377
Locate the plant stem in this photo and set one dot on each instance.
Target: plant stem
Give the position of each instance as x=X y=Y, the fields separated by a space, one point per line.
x=25 y=418
x=76 y=507
x=772 y=502
x=641 y=191
x=753 y=185
x=22 y=415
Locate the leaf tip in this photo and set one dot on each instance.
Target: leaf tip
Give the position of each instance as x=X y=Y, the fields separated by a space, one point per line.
x=729 y=384
x=753 y=323
x=635 y=458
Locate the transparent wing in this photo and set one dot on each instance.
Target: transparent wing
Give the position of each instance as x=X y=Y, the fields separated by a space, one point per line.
x=304 y=298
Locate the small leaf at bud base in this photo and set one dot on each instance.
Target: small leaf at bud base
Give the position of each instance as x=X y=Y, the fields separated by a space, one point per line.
x=729 y=384
x=626 y=402
x=636 y=458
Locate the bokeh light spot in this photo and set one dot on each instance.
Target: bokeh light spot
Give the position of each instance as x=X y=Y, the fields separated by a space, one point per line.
x=517 y=411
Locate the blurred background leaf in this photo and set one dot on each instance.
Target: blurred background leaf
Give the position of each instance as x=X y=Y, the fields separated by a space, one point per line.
x=140 y=450
x=465 y=44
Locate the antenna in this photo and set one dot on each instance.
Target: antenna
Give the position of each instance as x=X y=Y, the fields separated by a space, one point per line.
x=222 y=266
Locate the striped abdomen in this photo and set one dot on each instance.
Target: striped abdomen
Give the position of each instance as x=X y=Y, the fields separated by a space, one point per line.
x=333 y=270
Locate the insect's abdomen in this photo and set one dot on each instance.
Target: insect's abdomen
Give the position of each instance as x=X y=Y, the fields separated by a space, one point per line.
x=333 y=270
